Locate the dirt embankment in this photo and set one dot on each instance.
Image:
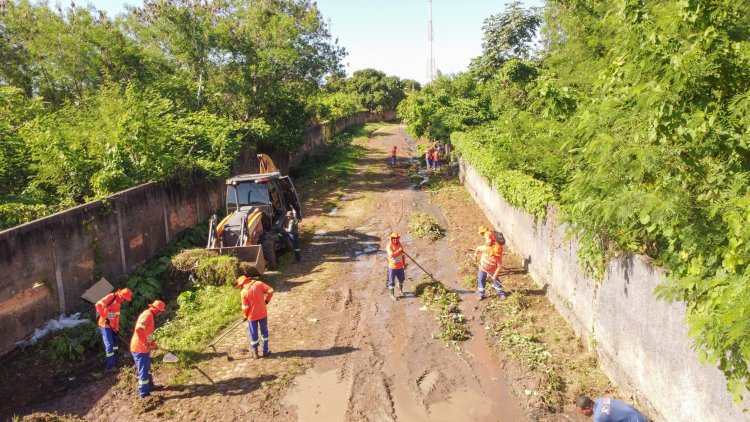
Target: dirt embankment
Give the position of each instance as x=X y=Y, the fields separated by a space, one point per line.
x=343 y=350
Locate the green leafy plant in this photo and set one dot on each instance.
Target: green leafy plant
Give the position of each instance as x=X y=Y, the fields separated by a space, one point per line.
x=425 y=225
x=72 y=344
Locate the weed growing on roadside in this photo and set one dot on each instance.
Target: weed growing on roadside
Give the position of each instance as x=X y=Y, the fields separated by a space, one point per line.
x=425 y=225
x=201 y=313
x=445 y=304
x=72 y=343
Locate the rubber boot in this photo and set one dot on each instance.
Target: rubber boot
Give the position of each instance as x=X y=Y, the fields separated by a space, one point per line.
x=297 y=256
x=255 y=353
x=401 y=289
x=393 y=294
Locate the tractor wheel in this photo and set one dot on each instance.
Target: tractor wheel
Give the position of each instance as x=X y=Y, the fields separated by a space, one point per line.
x=269 y=253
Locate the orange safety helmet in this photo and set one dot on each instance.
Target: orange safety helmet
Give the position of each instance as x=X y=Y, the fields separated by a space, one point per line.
x=242 y=280
x=158 y=305
x=394 y=235
x=482 y=230
x=125 y=294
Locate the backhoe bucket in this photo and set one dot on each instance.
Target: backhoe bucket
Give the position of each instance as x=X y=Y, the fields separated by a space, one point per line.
x=251 y=254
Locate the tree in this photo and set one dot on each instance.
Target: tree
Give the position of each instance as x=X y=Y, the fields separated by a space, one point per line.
x=506 y=35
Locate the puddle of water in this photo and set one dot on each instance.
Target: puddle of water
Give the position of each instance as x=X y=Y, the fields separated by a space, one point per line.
x=333 y=211
x=318 y=396
x=319 y=233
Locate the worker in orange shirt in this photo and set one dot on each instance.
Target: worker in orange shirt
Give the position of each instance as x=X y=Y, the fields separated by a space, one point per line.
x=142 y=344
x=490 y=256
x=265 y=164
x=393 y=155
x=396 y=264
x=436 y=158
x=428 y=157
x=255 y=296
x=108 y=309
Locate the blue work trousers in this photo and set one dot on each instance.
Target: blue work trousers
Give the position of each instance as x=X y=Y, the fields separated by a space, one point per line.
x=482 y=278
x=252 y=328
x=143 y=366
x=395 y=275
x=110 y=345
x=429 y=162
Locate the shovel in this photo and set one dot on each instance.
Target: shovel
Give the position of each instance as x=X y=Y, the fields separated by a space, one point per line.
x=225 y=333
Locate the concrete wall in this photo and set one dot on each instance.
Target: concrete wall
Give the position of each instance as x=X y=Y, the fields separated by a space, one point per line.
x=641 y=342
x=46 y=265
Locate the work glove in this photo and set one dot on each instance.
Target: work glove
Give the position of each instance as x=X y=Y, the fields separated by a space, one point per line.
x=266 y=301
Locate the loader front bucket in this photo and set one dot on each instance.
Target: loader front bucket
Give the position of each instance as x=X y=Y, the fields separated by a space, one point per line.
x=250 y=254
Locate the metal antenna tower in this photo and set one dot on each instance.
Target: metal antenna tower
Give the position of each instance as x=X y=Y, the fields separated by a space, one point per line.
x=430 y=39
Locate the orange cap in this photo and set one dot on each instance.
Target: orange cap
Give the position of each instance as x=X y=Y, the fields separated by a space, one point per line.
x=125 y=294
x=482 y=229
x=158 y=305
x=242 y=280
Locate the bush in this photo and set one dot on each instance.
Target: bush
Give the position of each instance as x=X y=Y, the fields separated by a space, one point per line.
x=72 y=344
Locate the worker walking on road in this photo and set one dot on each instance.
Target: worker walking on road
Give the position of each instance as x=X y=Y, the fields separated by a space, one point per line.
x=396 y=264
x=490 y=256
x=605 y=409
x=142 y=344
x=255 y=295
x=108 y=309
x=393 y=155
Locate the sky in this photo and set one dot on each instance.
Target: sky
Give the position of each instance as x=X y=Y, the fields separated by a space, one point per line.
x=391 y=35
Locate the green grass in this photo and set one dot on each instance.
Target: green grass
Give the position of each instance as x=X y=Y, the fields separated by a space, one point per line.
x=203 y=312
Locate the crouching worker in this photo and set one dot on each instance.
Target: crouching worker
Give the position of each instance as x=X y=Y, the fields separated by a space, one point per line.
x=255 y=296
x=108 y=309
x=605 y=409
x=142 y=344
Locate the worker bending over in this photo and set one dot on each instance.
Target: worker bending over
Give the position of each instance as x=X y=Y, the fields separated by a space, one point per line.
x=142 y=344
x=396 y=264
x=490 y=256
x=255 y=295
x=605 y=409
x=108 y=309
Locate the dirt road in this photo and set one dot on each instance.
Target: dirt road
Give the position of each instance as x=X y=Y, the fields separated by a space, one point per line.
x=343 y=350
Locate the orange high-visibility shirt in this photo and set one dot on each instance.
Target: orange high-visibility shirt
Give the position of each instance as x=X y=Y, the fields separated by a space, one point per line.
x=492 y=257
x=396 y=257
x=108 y=307
x=393 y=151
x=143 y=334
x=436 y=155
x=254 y=297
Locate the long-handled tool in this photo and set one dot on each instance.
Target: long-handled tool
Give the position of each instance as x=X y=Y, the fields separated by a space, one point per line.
x=225 y=333
x=420 y=267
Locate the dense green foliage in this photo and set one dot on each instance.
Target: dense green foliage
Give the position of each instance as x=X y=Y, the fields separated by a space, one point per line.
x=634 y=118
x=90 y=105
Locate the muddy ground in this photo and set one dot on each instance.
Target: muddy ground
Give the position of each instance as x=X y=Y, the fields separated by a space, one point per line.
x=343 y=349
